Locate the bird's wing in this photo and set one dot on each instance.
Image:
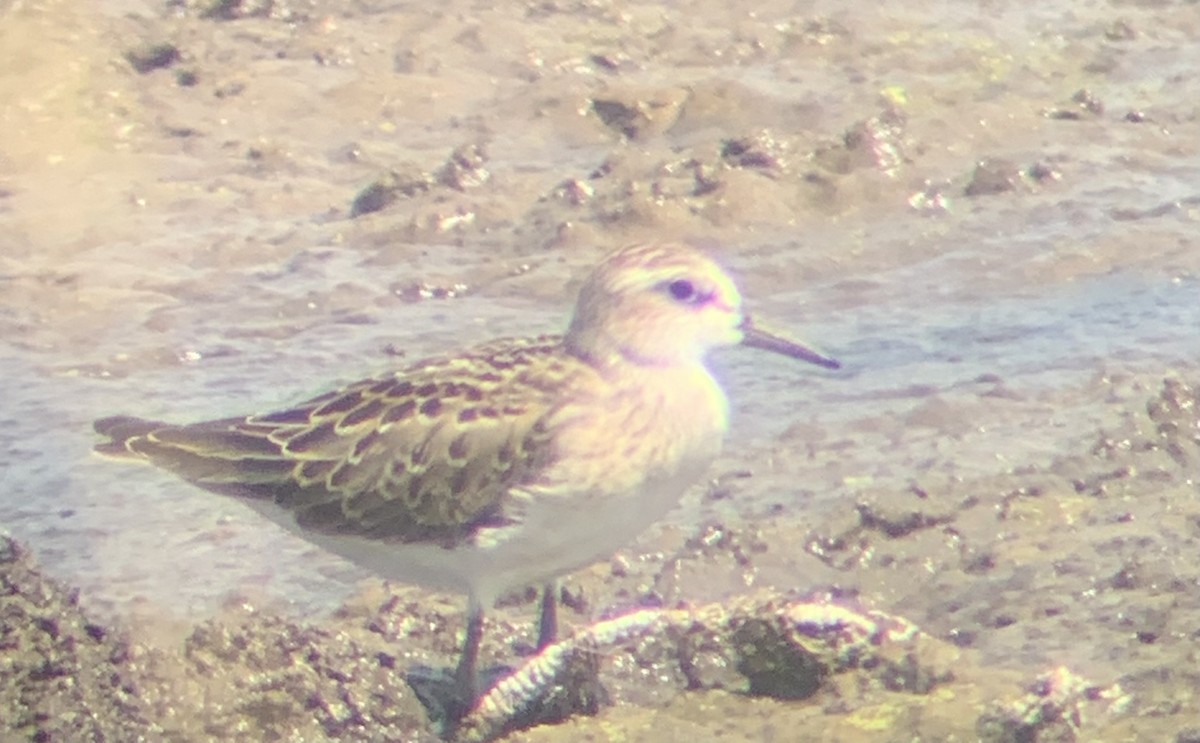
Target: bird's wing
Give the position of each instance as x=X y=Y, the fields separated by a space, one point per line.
x=429 y=453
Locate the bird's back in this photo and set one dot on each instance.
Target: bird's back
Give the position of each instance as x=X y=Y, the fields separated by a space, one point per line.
x=426 y=454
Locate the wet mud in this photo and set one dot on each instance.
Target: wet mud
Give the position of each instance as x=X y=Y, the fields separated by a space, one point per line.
x=981 y=567
x=989 y=216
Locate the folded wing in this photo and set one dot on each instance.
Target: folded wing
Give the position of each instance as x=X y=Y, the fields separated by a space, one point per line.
x=429 y=453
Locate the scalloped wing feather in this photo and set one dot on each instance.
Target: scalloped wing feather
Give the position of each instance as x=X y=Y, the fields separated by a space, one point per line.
x=429 y=453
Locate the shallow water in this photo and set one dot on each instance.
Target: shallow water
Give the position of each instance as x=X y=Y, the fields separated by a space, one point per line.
x=96 y=520
x=186 y=251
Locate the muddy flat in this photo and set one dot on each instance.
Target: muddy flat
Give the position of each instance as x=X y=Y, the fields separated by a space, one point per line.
x=988 y=214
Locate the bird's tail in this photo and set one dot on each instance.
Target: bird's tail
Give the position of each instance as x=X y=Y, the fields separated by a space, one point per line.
x=121 y=431
x=211 y=454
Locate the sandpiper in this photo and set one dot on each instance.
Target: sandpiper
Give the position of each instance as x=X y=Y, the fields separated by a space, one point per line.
x=506 y=465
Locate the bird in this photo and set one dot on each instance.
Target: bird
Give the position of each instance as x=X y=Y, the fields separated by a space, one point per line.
x=506 y=465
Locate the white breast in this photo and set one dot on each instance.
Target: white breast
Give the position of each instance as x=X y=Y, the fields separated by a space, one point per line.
x=621 y=464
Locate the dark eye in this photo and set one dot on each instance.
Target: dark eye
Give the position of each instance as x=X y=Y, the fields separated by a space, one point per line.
x=683 y=290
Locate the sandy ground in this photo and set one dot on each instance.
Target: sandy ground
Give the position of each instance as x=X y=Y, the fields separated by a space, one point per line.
x=987 y=212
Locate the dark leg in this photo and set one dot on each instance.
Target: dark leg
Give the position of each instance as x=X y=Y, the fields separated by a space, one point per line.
x=548 y=625
x=466 y=676
x=450 y=698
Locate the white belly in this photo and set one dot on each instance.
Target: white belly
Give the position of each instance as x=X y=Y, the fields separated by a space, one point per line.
x=557 y=536
x=601 y=490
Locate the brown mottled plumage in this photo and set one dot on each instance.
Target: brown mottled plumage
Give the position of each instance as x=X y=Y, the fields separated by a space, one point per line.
x=425 y=454
x=509 y=464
